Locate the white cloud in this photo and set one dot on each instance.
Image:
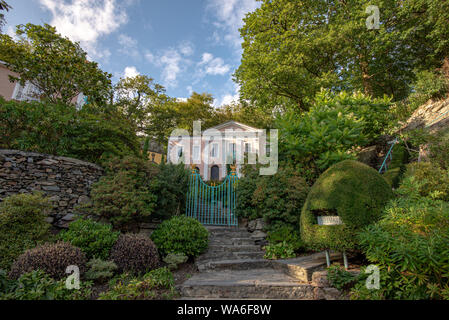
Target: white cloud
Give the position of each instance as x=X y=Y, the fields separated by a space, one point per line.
x=229 y=16
x=150 y=57
x=86 y=21
x=170 y=61
x=186 y=48
x=229 y=97
x=189 y=89
x=128 y=46
x=130 y=72
x=213 y=66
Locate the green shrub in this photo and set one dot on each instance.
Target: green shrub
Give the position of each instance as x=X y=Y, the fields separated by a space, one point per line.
x=181 y=234
x=351 y=190
x=93 y=238
x=171 y=189
x=22 y=225
x=286 y=233
x=397 y=166
x=175 y=259
x=277 y=199
x=430 y=178
x=99 y=270
x=340 y=278
x=135 y=253
x=125 y=195
x=157 y=284
x=52 y=258
x=440 y=149
x=37 y=285
x=281 y=250
x=428 y=85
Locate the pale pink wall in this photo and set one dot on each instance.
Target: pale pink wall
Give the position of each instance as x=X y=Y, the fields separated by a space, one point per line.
x=6 y=87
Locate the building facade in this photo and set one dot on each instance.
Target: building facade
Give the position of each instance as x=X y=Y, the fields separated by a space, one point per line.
x=228 y=143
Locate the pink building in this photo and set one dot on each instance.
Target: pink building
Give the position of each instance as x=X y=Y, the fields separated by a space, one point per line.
x=229 y=142
x=14 y=91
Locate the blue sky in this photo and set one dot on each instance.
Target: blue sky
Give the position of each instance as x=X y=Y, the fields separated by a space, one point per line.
x=185 y=45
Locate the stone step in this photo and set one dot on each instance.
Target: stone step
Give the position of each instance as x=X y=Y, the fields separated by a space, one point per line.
x=221 y=255
x=302 y=268
x=265 y=283
x=233 y=264
x=233 y=248
x=231 y=241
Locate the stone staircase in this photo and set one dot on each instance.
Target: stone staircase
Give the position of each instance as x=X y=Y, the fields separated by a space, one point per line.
x=233 y=268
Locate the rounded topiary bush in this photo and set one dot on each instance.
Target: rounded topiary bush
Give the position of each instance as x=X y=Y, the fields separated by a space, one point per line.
x=135 y=253
x=181 y=234
x=52 y=258
x=93 y=238
x=351 y=190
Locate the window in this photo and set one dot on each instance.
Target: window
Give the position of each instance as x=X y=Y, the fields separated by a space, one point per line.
x=247 y=147
x=29 y=92
x=214 y=151
x=232 y=147
x=180 y=152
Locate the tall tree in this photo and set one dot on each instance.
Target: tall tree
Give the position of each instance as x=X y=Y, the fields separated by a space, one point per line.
x=55 y=65
x=3 y=7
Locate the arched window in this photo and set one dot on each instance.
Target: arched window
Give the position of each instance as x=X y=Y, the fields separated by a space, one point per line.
x=214 y=173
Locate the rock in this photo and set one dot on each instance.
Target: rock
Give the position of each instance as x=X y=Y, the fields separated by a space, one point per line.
x=257 y=224
x=63 y=203
x=327 y=294
x=83 y=200
x=258 y=235
x=368 y=155
x=50 y=220
x=51 y=188
x=30 y=160
x=69 y=217
x=7 y=164
x=55 y=199
x=319 y=279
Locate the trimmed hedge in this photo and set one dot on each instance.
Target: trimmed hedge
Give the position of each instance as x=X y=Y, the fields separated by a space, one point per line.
x=181 y=234
x=22 y=225
x=353 y=191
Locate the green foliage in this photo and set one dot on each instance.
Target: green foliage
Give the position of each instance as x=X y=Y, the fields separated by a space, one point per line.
x=62 y=130
x=340 y=278
x=52 y=258
x=93 y=238
x=175 y=259
x=428 y=85
x=125 y=194
x=396 y=167
x=439 y=150
x=22 y=225
x=99 y=270
x=277 y=198
x=288 y=234
x=331 y=130
x=181 y=234
x=351 y=190
x=155 y=285
x=37 y=285
x=135 y=253
x=281 y=250
x=430 y=179
x=410 y=245
x=58 y=67
x=171 y=189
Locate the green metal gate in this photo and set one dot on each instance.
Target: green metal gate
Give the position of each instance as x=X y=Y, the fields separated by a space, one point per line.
x=212 y=205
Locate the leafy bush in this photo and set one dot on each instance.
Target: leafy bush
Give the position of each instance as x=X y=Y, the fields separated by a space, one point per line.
x=37 y=285
x=170 y=190
x=99 y=270
x=157 y=284
x=175 y=259
x=125 y=195
x=428 y=85
x=351 y=190
x=281 y=250
x=52 y=258
x=410 y=245
x=340 y=278
x=440 y=149
x=181 y=234
x=135 y=253
x=396 y=168
x=431 y=179
x=331 y=129
x=277 y=198
x=286 y=233
x=89 y=134
x=22 y=225
x=93 y=238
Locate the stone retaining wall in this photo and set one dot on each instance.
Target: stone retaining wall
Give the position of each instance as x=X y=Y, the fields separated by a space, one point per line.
x=66 y=181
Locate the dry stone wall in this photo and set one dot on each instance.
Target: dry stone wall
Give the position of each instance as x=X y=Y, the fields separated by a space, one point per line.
x=66 y=181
